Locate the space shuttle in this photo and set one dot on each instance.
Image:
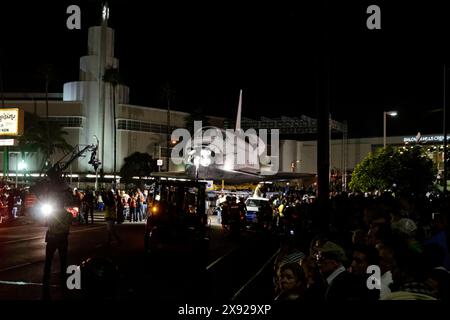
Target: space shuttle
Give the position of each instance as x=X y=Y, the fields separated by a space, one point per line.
x=234 y=156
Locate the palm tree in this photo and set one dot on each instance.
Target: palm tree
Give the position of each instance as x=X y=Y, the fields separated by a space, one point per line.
x=1 y=79
x=47 y=72
x=112 y=76
x=35 y=138
x=5 y=148
x=137 y=164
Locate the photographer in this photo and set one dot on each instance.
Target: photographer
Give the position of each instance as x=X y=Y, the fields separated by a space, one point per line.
x=58 y=222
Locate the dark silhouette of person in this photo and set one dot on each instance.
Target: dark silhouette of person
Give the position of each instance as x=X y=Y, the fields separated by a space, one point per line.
x=89 y=200
x=58 y=222
x=11 y=202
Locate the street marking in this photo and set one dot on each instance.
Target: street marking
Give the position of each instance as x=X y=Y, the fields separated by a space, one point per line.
x=87 y=229
x=220 y=258
x=15 y=267
x=236 y=295
x=2 y=228
x=40 y=261
x=22 y=283
x=43 y=236
x=21 y=240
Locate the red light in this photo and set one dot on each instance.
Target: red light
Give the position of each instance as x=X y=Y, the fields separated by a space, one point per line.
x=73 y=210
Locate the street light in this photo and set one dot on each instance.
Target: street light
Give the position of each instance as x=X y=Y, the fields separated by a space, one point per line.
x=389 y=113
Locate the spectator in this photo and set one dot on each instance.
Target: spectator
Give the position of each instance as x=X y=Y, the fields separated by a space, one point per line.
x=315 y=285
x=140 y=204
x=292 y=282
x=409 y=277
x=359 y=237
x=111 y=217
x=363 y=257
x=341 y=285
x=11 y=203
x=440 y=237
x=100 y=203
x=439 y=277
x=89 y=203
x=133 y=208
x=387 y=264
x=120 y=207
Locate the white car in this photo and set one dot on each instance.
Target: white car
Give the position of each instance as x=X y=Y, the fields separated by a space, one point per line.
x=253 y=204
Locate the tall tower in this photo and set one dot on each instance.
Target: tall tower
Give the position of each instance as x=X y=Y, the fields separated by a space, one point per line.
x=95 y=94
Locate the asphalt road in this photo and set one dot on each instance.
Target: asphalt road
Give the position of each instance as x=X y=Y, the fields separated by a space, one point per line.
x=233 y=266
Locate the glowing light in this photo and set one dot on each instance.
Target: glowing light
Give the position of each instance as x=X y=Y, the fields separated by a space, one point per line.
x=196 y=161
x=392 y=113
x=105 y=13
x=205 y=162
x=46 y=209
x=22 y=165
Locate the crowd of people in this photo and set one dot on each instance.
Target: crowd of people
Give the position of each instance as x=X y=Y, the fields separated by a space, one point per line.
x=130 y=205
x=14 y=202
x=362 y=247
x=358 y=247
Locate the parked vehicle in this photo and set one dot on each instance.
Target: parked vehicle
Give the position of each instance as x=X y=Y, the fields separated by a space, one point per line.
x=177 y=223
x=254 y=207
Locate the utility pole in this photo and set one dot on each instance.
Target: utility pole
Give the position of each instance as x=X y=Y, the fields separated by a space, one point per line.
x=345 y=135
x=46 y=112
x=115 y=130
x=17 y=168
x=5 y=148
x=101 y=72
x=168 y=126
x=445 y=130
x=323 y=113
x=384 y=129
x=1 y=81
x=323 y=138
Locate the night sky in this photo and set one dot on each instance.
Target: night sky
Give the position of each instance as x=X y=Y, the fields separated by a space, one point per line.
x=207 y=51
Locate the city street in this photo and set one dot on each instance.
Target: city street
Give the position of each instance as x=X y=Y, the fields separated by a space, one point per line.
x=230 y=264
x=233 y=155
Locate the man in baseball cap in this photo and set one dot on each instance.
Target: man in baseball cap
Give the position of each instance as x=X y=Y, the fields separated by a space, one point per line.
x=342 y=285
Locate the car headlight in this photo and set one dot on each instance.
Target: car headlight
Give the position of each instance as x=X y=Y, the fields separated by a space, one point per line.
x=46 y=209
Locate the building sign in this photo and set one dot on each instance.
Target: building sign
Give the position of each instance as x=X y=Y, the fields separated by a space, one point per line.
x=11 y=122
x=425 y=139
x=8 y=142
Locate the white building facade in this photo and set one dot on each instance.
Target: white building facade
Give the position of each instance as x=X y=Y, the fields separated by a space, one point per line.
x=85 y=110
x=301 y=156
